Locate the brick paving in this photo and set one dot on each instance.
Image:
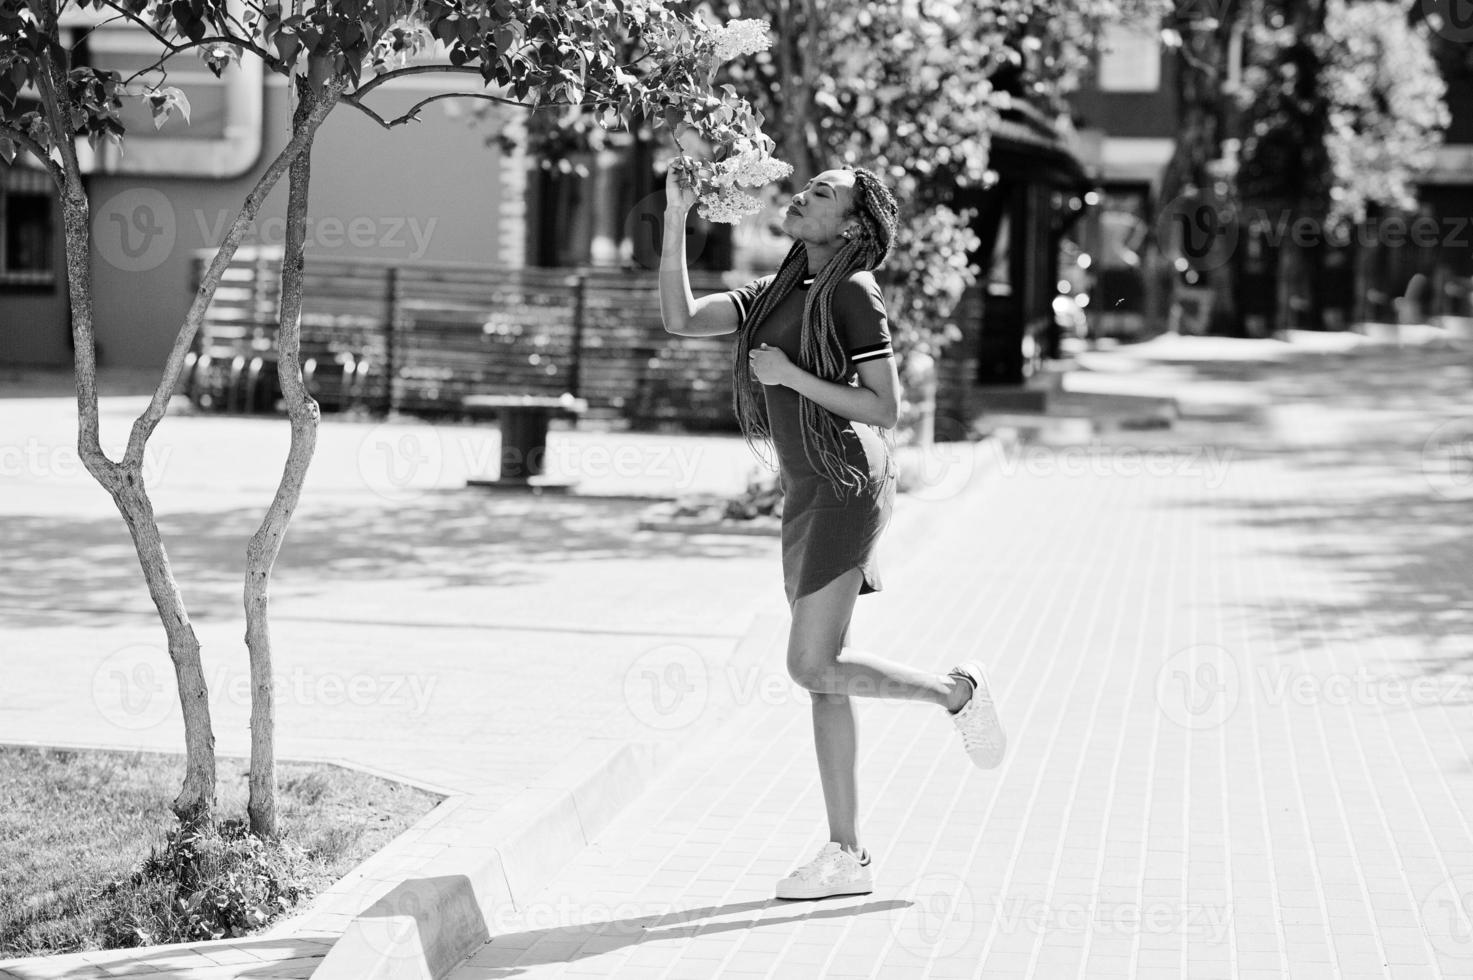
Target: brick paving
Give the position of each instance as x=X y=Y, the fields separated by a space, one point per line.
x=1234 y=659
x=1238 y=679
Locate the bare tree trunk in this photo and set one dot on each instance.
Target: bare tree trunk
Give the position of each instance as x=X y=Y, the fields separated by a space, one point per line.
x=265 y=544
x=123 y=480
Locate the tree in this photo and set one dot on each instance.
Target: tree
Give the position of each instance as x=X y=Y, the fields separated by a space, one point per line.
x=532 y=53
x=1341 y=106
x=912 y=91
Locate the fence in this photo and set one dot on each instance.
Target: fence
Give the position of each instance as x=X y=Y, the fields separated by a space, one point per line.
x=418 y=338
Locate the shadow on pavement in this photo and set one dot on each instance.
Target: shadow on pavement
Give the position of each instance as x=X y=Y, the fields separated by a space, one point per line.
x=61 y=566
x=564 y=943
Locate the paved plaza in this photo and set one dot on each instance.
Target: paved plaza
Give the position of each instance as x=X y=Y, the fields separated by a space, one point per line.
x=1235 y=659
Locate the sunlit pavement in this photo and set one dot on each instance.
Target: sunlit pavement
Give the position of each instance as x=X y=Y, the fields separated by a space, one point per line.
x=1236 y=663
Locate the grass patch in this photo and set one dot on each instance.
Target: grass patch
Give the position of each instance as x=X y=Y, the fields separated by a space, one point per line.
x=91 y=856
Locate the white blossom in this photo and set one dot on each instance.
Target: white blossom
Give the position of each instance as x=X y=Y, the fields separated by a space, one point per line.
x=740 y=37
x=728 y=206
x=750 y=168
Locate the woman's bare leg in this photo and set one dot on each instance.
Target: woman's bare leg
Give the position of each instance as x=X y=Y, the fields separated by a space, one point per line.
x=820 y=660
x=820 y=663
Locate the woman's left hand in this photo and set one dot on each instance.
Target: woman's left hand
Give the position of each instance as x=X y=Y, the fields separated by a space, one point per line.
x=770 y=365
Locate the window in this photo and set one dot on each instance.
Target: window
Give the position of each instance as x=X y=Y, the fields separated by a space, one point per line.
x=27 y=228
x=1130 y=60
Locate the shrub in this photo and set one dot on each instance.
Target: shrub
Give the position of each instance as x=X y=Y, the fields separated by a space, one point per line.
x=214 y=882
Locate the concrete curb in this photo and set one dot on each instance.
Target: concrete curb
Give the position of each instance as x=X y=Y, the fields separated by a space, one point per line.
x=494 y=863
x=406 y=914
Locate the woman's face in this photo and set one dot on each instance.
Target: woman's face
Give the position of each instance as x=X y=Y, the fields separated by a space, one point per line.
x=818 y=212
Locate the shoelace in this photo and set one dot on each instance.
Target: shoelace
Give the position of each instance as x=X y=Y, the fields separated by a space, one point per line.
x=813 y=869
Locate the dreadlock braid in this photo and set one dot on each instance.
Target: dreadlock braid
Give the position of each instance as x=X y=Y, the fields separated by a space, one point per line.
x=821 y=346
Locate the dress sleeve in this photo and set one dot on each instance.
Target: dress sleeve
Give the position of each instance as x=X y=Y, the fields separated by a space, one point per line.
x=744 y=297
x=859 y=309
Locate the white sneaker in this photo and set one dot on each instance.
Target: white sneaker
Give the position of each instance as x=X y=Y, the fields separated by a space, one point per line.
x=834 y=872
x=981 y=728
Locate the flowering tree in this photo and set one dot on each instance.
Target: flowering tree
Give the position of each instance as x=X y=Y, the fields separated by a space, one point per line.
x=531 y=53
x=912 y=91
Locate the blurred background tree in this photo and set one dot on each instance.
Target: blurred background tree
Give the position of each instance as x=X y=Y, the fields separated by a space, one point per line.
x=911 y=91
x=1339 y=106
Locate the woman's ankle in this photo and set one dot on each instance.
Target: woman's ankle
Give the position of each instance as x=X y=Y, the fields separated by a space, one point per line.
x=959 y=694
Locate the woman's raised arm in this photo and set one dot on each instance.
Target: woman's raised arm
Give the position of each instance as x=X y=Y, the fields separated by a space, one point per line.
x=684 y=314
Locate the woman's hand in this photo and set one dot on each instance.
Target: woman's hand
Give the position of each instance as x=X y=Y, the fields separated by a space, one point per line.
x=680 y=192
x=770 y=365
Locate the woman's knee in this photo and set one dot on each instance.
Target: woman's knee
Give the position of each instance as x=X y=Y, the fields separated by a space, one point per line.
x=813 y=674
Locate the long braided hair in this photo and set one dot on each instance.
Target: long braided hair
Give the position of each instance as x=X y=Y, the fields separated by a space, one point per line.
x=821 y=349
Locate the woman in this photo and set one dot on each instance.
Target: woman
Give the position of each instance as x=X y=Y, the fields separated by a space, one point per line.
x=814 y=338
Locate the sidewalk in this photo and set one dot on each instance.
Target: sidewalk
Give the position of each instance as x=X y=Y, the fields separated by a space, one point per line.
x=1238 y=678
x=484 y=645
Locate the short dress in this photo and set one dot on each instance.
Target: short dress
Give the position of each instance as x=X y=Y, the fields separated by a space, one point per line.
x=826 y=532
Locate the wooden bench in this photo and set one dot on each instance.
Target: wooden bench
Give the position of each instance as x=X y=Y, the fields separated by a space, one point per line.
x=523 y=420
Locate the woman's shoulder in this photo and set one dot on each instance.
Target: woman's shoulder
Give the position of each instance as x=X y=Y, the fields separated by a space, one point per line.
x=861 y=286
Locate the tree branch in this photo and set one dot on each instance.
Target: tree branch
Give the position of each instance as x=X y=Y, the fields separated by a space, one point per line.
x=53 y=169
x=413 y=112
x=144 y=425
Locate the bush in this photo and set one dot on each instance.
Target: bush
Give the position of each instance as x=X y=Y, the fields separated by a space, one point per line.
x=762 y=498
x=215 y=882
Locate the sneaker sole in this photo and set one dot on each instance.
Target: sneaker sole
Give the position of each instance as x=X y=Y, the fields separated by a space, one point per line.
x=815 y=896
x=1000 y=748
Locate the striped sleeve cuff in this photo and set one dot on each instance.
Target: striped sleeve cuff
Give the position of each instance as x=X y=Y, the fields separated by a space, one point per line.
x=741 y=308
x=871 y=352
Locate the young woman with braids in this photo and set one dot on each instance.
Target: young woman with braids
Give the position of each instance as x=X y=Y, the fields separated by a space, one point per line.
x=813 y=343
